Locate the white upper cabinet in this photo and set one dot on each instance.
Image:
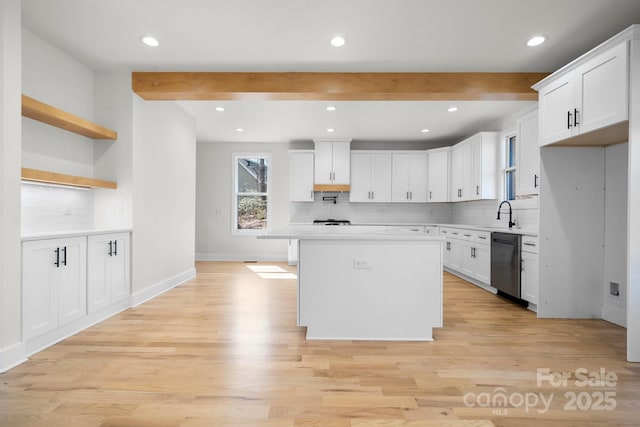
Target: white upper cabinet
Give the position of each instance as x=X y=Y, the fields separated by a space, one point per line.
x=332 y=162
x=588 y=95
x=301 y=177
x=528 y=152
x=409 y=177
x=438 y=174
x=461 y=164
x=370 y=177
x=474 y=168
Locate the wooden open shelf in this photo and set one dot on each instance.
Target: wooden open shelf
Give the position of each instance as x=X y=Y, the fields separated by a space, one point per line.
x=62 y=179
x=53 y=116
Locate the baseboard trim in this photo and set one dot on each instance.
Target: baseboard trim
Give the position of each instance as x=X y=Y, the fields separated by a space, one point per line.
x=12 y=356
x=162 y=287
x=200 y=256
x=615 y=315
x=471 y=280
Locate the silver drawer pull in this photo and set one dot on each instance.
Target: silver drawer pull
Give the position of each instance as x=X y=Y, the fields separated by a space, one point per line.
x=528 y=244
x=467 y=235
x=483 y=238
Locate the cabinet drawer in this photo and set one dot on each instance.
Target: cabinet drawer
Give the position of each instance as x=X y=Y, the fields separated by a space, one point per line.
x=530 y=244
x=482 y=236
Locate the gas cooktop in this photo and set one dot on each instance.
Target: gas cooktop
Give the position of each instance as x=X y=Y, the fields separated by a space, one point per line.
x=332 y=222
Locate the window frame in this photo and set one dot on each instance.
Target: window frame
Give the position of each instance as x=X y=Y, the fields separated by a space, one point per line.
x=235 y=193
x=506 y=169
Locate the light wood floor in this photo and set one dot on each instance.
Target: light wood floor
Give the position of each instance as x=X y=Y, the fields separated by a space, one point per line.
x=223 y=350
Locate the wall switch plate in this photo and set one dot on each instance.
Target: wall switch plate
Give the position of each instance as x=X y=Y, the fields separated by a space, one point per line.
x=360 y=263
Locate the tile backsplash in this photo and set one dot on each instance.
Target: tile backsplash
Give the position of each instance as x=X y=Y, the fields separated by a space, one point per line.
x=477 y=212
x=52 y=208
x=368 y=213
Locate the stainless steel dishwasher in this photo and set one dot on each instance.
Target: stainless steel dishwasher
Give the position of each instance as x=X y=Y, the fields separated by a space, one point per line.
x=505 y=263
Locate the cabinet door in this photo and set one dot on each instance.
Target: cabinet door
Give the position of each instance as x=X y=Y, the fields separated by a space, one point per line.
x=323 y=170
x=380 y=177
x=98 y=289
x=119 y=268
x=528 y=164
x=453 y=254
x=457 y=171
x=400 y=178
x=341 y=162
x=556 y=108
x=39 y=293
x=301 y=176
x=603 y=89
x=418 y=177
x=72 y=283
x=361 y=177
x=529 y=277
x=482 y=257
x=467 y=172
x=468 y=261
x=438 y=175
x=475 y=185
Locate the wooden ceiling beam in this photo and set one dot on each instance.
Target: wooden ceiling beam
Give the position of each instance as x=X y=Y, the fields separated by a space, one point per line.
x=185 y=86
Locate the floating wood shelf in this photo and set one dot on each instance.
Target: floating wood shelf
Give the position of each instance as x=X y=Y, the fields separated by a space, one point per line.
x=332 y=187
x=62 y=179
x=53 y=116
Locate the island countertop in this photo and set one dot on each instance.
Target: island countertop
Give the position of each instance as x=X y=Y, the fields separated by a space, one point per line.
x=337 y=232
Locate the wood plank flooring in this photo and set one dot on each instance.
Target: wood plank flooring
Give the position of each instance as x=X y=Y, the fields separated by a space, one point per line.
x=223 y=350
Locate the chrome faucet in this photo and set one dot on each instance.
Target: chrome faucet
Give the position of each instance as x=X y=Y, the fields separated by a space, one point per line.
x=511 y=222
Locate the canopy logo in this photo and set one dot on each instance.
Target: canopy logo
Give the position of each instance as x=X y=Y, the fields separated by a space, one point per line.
x=498 y=400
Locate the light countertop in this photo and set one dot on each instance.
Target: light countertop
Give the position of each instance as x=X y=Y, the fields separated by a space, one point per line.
x=338 y=232
x=39 y=235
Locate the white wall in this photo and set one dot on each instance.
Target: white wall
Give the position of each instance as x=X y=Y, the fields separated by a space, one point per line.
x=10 y=143
x=571 y=231
x=614 y=309
x=633 y=213
x=113 y=160
x=214 y=190
x=54 y=77
x=164 y=167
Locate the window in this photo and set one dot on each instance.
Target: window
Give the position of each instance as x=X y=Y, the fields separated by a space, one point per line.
x=251 y=192
x=509 y=167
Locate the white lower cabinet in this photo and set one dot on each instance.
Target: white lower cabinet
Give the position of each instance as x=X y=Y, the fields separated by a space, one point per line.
x=476 y=255
x=66 y=279
x=452 y=257
x=54 y=283
x=108 y=270
x=529 y=270
x=468 y=252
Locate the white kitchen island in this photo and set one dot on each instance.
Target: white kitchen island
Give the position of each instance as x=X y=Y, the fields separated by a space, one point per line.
x=367 y=283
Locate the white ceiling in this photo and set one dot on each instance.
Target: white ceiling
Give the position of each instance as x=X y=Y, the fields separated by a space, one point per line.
x=293 y=35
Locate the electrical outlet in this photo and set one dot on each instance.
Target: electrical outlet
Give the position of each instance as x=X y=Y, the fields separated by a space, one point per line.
x=360 y=263
x=614 y=289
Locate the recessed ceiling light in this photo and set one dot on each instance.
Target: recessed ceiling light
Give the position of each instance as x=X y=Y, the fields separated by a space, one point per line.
x=452 y=109
x=536 y=41
x=219 y=108
x=239 y=130
x=338 y=41
x=150 y=41
x=330 y=130
x=424 y=130
x=331 y=108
